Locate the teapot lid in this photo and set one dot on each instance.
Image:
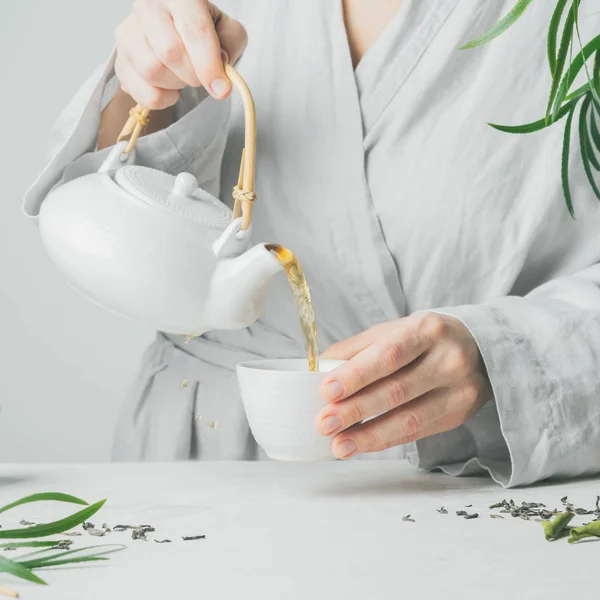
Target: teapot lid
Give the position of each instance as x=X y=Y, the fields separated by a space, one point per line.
x=177 y=195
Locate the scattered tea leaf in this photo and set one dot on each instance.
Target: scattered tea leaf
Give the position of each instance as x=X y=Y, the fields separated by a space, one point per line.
x=26 y=523
x=407 y=518
x=87 y=525
x=95 y=532
x=442 y=511
x=472 y=516
x=496 y=517
x=188 y=538
x=461 y=513
x=557 y=528
x=590 y=530
x=163 y=541
x=138 y=534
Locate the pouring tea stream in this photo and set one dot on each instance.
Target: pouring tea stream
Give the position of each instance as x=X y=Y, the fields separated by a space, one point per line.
x=158 y=249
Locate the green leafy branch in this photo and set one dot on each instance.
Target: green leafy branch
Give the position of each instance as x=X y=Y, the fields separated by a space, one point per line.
x=50 y=556
x=563 y=35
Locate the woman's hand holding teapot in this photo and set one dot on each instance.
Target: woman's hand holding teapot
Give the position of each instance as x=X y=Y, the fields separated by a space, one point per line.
x=166 y=45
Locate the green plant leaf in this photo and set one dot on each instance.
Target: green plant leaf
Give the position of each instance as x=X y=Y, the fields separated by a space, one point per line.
x=565 y=162
x=499 y=28
x=596 y=78
x=584 y=89
x=584 y=140
x=561 y=59
x=37 y=544
x=55 y=527
x=553 y=34
x=594 y=130
x=572 y=72
x=537 y=125
x=19 y=570
x=45 y=558
x=55 y=496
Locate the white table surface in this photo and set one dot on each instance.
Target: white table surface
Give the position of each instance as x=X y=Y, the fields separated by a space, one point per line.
x=278 y=531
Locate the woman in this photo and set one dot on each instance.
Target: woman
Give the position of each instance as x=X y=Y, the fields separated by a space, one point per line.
x=441 y=259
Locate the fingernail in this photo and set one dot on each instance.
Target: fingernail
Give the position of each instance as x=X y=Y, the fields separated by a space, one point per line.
x=219 y=87
x=333 y=391
x=346 y=448
x=331 y=423
x=225 y=56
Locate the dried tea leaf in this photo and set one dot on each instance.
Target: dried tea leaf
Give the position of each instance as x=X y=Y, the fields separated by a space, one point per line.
x=26 y=523
x=122 y=527
x=137 y=533
x=461 y=513
x=72 y=533
x=106 y=528
x=468 y=505
x=407 y=518
x=95 y=532
x=496 y=517
x=188 y=538
x=472 y=516
x=163 y=541
x=442 y=510
x=87 y=525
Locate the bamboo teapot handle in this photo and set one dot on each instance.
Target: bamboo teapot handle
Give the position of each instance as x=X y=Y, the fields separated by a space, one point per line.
x=243 y=192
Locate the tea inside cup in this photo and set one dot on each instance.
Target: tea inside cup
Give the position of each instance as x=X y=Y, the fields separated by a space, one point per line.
x=281 y=398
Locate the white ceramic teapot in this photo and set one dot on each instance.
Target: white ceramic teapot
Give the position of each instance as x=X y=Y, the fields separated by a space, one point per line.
x=156 y=248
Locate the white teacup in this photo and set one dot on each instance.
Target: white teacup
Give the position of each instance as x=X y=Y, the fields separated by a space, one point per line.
x=282 y=398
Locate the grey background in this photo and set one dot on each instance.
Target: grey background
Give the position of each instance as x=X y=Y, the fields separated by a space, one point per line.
x=64 y=363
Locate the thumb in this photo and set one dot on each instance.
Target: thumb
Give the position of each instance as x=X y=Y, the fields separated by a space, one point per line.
x=233 y=37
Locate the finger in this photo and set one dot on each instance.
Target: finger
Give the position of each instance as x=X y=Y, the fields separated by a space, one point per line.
x=167 y=45
x=147 y=64
x=352 y=346
x=233 y=37
x=397 y=347
x=195 y=26
x=384 y=395
x=141 y=91
x=431 y=413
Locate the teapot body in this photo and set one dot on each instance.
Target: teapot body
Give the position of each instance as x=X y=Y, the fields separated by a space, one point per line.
x=175 y=261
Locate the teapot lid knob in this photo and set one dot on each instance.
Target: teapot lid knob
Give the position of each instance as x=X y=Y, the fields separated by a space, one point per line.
x=185 y=184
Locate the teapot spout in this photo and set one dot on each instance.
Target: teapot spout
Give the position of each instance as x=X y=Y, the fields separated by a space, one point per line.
x=239 y=288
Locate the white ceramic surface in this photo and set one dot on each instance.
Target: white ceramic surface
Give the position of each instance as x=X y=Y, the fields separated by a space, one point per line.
x=282 y=399
x=155 y=248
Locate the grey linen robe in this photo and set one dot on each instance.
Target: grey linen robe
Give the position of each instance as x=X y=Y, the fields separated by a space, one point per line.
x=397 y=197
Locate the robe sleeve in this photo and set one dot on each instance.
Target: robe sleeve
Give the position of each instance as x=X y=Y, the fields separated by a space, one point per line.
x=542 y=353
x=196 y=140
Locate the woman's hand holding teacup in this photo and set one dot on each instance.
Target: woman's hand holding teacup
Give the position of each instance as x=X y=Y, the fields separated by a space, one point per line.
x=417 y=376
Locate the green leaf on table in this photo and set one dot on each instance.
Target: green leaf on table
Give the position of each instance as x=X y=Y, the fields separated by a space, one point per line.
x=553 y=34
x=499 y=28
x=47 y=496
x=55 y=527
x=19 y=570
x=47 y=558
x=37 y=544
